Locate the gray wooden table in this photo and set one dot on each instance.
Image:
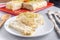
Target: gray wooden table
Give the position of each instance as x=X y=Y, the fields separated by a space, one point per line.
x=4 y=35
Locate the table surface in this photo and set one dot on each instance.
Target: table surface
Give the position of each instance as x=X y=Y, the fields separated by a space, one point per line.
x=4 y=35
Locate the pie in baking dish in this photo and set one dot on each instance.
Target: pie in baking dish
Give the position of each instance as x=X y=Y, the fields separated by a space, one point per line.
x=30 y=5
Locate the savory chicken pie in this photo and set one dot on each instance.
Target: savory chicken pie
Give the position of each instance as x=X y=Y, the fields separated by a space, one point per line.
x=26 y=23
x=33 y=5
x=30 y=5
x=14 y=5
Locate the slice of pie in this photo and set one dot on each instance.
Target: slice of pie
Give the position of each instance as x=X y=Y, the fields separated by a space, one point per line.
x=27 y=23
x=33 y=5
x=14 y=5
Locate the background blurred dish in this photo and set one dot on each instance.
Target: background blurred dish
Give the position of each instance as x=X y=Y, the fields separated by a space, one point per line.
x=43 y=30
x=4 y=9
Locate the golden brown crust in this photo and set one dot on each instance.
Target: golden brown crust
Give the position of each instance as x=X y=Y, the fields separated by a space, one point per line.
x=4 y=18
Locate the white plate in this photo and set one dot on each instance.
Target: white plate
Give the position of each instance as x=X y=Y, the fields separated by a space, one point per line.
x=43 y=30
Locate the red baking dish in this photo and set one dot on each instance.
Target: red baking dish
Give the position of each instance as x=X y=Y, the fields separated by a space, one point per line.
x=3 y=8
